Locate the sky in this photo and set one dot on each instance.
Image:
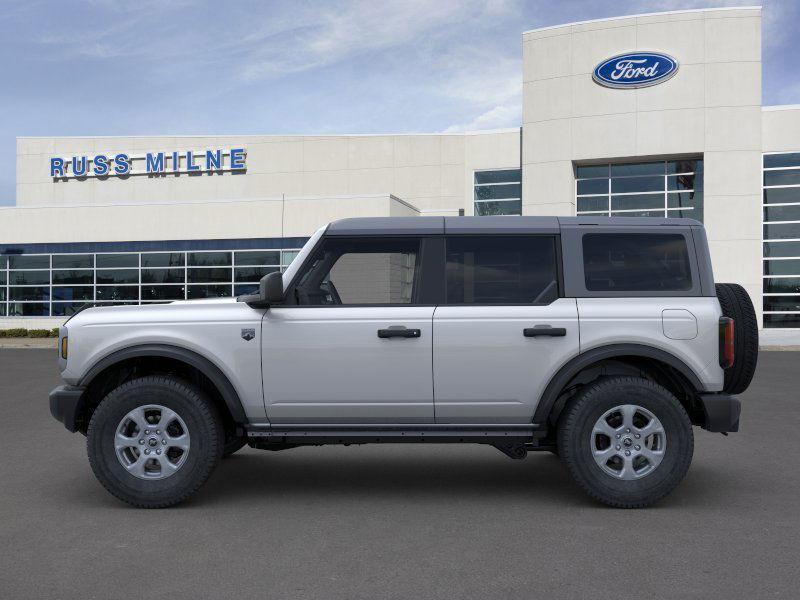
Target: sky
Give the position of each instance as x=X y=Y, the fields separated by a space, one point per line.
x=160 y=67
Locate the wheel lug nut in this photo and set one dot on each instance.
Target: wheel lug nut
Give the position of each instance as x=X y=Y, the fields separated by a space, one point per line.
x=141 y=441
x=638 y=447
x=158 y=432
x=164 y=442
x=618 y=446
x=638 y=435
x=628 y=430
x=147 y=432
x=627 y=452
x=617 y=436
x=147 y=451
x=158 y=451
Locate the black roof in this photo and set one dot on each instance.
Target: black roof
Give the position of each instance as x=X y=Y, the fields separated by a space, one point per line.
x=496 y=225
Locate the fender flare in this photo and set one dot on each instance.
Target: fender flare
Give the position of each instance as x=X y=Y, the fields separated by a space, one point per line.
x=191 y=358
x=577 y=363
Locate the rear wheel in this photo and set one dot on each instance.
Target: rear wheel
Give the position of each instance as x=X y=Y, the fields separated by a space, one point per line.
x=626 y=441
x=153 y=441
x=736 y=304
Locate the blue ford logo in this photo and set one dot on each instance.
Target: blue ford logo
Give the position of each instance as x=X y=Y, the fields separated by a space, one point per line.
x=635 y=70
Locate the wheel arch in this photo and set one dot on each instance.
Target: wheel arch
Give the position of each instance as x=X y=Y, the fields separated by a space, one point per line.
x=168 y=356
x=548 y=405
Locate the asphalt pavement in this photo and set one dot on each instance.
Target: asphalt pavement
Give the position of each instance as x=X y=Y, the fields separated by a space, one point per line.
x=400 y=521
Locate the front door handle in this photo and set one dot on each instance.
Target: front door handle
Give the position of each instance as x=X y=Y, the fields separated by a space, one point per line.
x=399 y=331
x=544 y=330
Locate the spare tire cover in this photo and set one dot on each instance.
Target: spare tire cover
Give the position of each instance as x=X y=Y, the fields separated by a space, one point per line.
x=736 y=304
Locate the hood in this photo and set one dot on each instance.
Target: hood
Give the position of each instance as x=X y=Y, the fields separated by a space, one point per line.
x=175 y=310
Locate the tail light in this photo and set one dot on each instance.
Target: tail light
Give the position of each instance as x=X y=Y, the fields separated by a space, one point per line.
x=726 y=350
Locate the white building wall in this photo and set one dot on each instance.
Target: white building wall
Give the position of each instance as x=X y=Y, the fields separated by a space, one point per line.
x=433 y=172
x=221 y=219
x=780 y=128
x=711 y=107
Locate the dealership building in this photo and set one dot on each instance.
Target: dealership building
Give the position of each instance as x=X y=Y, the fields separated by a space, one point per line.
x=646 y=115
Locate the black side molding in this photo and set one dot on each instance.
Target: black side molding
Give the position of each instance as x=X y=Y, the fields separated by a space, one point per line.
x=201 y=363
x=586 y=359
x=303 y=434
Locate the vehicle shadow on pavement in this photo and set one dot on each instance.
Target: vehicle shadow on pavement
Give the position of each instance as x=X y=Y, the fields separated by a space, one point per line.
x=540 y=478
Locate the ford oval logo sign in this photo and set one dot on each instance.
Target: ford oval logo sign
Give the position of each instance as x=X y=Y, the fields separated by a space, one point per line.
x=635 y=70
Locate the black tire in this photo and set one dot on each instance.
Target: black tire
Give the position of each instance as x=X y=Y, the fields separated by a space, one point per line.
x=575 y=435
x=736 y=304
x=232 y=445
x=204 y=428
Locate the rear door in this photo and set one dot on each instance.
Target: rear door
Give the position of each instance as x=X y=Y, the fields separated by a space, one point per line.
x=503 y=330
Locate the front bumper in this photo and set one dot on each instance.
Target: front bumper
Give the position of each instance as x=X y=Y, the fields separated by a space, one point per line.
x=721 y=412
x=66 y=402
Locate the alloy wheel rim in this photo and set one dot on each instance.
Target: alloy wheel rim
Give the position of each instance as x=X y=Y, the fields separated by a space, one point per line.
x=152 y=442
x=628 y=442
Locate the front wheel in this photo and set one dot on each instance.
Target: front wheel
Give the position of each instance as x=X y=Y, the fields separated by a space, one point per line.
x=627 y=441
x=153 y=441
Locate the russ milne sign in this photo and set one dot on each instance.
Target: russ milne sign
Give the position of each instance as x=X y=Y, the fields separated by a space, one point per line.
x=151 y=163
x=635 y=70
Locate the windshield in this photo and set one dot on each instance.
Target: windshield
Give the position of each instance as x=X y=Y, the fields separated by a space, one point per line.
x=290 y=271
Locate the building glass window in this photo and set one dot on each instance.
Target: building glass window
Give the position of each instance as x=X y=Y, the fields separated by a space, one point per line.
x=671 y=188
x=781 y=271
x=287 y=257
x=29 y=261
x=498 y=192
x=117 y=261
x=57 y=285
x=163 y=259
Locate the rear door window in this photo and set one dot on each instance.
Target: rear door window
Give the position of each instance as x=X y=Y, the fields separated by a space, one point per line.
x=636 y=262
x=501 y=269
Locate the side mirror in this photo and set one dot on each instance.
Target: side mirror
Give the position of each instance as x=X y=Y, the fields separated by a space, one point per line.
x=271 y=288
x=270 y=291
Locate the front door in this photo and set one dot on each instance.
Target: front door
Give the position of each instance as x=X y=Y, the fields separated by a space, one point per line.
x=503 y=331
x=353 y=344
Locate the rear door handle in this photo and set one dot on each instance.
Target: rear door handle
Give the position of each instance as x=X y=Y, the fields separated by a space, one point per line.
x=399 y=331
x=544 y=330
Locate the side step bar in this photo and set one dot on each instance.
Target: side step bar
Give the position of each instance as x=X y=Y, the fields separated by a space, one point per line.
x=380 y=433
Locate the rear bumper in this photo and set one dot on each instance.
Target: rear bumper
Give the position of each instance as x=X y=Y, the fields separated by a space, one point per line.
x=721 y=412
x=66 y=402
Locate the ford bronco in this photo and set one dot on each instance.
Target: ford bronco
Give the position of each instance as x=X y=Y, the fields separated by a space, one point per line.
x=602 y=340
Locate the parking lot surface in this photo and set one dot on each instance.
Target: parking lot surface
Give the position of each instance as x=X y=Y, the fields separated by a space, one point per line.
x=400 y=521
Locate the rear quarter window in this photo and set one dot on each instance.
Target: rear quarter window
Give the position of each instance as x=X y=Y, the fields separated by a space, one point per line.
x=636 y=262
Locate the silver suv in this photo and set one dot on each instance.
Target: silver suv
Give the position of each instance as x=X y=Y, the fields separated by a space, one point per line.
x=601 y=340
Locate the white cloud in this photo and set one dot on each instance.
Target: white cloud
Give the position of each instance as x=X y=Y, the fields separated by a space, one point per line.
x=336 y=33
x=498 y=117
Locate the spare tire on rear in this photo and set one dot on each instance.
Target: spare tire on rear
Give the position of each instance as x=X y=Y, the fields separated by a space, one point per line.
x=736 y=304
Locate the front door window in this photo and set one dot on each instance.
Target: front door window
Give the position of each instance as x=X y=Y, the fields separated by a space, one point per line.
x=361 y=272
